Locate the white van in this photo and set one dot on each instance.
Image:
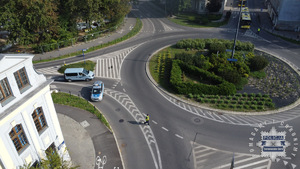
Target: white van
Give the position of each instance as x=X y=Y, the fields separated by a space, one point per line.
x=78 y=74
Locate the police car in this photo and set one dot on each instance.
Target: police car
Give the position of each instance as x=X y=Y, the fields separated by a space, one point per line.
x=97 y=91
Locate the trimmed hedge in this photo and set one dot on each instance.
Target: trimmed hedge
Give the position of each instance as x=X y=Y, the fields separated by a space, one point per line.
x=219 y=87
x=214 y=45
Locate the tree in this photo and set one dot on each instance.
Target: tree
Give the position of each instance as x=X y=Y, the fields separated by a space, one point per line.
x=29 y=21
x=52 y=161
x=176 y=6
x=214 y=5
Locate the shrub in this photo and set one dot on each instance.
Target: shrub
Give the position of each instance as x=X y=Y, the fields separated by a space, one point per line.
x=233 y=102
x=190 y=95
x=253 y=107
x=215 y=47
x=260 y=107
x=257 y=63
x=270 y=104
x=220 y=101
x=239 y=106
x=246 y=107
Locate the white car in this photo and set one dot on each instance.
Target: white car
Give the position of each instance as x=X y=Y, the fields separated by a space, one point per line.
x=97 y=91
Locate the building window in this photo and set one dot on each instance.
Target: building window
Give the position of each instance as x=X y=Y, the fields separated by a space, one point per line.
x=39 y=119
x=5 y=91
x=21 y=78
x=18 y=137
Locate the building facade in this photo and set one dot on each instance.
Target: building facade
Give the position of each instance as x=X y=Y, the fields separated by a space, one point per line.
x=28 y=121
x=285 y=14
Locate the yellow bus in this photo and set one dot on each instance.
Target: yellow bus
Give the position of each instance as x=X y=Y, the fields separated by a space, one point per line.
x=245 y=18
x=244 y=3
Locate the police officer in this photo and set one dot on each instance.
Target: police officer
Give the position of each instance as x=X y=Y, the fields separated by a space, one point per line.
x=147 y=119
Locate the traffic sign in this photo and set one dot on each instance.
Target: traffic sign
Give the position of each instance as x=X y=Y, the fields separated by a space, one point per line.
x=232 y=60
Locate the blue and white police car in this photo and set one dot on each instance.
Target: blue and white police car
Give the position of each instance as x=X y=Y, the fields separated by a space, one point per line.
x=97 y=91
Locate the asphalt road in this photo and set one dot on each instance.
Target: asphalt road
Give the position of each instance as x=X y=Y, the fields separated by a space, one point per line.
x=176 y=138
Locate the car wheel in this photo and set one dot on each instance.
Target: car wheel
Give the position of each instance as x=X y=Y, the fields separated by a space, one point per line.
x=87 y=80
x=69 y=80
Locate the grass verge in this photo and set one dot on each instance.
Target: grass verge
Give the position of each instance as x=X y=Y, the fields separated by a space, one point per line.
x=197 y=21
x=88 y=65
x=74 y=101
x=133 y=32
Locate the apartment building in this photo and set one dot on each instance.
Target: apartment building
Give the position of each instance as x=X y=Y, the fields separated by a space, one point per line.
x=285 y=14
x=28 y=121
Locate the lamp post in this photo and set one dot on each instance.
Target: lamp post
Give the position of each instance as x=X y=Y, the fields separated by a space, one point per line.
x=83 y=50
x=237 y=30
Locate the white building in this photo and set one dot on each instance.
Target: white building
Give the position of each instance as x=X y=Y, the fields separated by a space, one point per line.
x=28 y=120
x=285 y=14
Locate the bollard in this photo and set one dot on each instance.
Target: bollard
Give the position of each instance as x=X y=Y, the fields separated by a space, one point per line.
x=70 y=93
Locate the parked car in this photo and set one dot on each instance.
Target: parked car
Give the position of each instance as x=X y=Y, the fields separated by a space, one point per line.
x=78 y=74
x=81 y=26
x=97 y=91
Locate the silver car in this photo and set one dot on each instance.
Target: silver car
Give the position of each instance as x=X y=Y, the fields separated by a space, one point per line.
x=97 y=91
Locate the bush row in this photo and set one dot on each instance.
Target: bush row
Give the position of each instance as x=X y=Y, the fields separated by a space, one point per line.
x=219 y=87
x=214 y=45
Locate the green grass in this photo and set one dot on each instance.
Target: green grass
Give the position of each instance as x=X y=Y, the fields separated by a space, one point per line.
x=74 y=101
x=258 y=74
x=133 y=32
x=88 y=65
x=188 y=19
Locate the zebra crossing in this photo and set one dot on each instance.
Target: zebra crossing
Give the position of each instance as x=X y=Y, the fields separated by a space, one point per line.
x=49 y=70
x=203 y=156
x=109 y=65
x=234 y=119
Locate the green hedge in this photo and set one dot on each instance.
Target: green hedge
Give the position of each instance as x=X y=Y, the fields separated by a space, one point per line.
x=214 y=45
x=215 y=84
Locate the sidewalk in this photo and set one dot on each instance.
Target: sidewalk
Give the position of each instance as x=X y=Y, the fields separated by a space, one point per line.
x=128 y=24
x=87 y=139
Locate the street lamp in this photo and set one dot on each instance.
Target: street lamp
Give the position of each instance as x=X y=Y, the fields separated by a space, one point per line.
x=237 y=30
x=83 y=50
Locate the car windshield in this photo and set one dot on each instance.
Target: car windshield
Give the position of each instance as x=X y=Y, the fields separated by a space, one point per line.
x=85 y=71
x=96 y=91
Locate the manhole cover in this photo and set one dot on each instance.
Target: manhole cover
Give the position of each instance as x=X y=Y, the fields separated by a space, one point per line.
x=197 y=120
x=121 y=120
x=84 y=124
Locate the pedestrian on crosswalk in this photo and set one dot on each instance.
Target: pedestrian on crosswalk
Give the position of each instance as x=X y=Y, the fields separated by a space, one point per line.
x=258 y=30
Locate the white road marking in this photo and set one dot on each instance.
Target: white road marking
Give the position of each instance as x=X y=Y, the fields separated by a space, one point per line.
x=164 y=128
x=178 y=136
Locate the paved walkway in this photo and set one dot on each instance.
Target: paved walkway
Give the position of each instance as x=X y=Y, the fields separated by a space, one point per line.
x=89 y=142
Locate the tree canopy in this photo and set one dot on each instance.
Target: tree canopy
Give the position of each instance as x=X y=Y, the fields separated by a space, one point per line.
x=37 y=21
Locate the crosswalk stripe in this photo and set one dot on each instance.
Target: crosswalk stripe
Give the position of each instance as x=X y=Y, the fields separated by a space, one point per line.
x=236 y=162
x=251 y=164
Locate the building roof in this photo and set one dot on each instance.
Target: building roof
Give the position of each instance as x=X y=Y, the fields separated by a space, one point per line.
x=10 y=60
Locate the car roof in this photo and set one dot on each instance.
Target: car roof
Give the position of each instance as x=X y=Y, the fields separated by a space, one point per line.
x=73 y=70
x=97 y=83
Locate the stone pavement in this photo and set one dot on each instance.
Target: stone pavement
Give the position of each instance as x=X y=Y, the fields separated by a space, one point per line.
x=89 y=142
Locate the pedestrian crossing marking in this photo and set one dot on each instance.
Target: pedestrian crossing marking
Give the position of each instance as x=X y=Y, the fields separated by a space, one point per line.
x=203 y=155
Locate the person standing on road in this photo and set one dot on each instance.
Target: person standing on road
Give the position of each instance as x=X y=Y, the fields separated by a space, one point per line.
x=258 y=30
x=147 y=119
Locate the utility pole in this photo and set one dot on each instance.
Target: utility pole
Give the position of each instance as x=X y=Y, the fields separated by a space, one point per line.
x=237 y=30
